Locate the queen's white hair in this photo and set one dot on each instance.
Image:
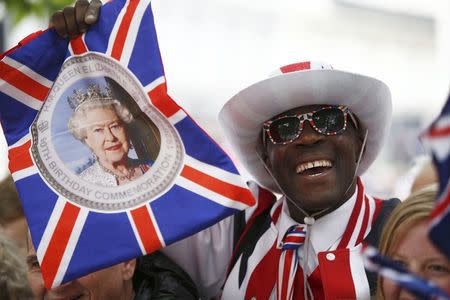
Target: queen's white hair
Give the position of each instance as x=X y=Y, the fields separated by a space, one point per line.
x=77 y=125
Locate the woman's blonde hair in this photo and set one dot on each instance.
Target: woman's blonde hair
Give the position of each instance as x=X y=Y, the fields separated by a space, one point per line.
x=77 y=125
x=13 y=281
x=414 y=209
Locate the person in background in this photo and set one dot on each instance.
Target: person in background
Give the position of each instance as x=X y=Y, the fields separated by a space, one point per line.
x=151 y=277
x=13 y=280
x=405 y=240
x=427 y=175
x=12 y=219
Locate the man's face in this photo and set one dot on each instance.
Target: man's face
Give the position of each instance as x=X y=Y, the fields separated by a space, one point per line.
x=331 y=181
x=111 y=283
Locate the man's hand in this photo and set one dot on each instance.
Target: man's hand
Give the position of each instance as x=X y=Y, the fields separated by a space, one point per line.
x=72 y=21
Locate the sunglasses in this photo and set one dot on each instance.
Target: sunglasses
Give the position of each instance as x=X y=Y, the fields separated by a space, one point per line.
x=330 y=120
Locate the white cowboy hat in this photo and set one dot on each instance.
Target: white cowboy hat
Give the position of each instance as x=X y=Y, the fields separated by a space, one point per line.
x=301 y=84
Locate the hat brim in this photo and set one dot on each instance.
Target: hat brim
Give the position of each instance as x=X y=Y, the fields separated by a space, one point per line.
x=243 y=115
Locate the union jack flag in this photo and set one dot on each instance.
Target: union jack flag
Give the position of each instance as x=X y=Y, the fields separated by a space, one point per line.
x=72 y=240
x=437 y=138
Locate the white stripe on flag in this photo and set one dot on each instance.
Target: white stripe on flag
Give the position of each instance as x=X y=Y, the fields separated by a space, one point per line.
x=18 y=175
x=70 y=49
x=439 y=146
x=20 y=96
x=155 y=224
x=27 y=71
x=23 y=140
x=73 y=240
x=158 y=81
x=213 y=196
x=177 y=117
x=133 y=31
x=136 y=232
x=216 y=172
x=113 y=34
x=50 y=228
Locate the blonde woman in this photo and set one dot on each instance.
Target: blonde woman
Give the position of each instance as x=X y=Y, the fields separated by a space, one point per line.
x=405 y=240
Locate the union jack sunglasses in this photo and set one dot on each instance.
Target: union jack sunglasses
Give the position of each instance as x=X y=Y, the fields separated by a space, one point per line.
x=329 y=120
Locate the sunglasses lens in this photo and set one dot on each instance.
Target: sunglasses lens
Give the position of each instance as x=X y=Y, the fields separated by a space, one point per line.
x=284 y=129
x=329 y=120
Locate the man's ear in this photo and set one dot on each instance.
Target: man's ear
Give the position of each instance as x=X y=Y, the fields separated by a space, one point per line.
x=128 y=268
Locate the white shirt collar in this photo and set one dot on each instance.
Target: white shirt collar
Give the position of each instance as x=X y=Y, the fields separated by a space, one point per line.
x=326 y=231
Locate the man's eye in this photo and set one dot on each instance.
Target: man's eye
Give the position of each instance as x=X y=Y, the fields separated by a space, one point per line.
x=98 y=130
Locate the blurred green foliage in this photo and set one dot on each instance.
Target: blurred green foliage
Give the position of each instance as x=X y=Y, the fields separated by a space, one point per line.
x=18 y=9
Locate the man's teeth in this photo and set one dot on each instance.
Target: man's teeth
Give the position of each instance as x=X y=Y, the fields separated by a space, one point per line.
x=313 y=164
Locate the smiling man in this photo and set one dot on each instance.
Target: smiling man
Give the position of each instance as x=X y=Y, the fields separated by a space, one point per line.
x=307 y=133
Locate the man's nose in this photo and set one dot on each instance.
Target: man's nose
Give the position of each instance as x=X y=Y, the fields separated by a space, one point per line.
x=309 y=136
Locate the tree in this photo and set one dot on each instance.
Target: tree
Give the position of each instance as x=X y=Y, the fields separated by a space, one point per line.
x=18 y=9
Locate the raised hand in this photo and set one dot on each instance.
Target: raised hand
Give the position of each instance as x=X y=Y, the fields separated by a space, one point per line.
x=72 y=21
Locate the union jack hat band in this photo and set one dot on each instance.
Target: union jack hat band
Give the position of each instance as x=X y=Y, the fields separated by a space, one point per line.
x=296 y=85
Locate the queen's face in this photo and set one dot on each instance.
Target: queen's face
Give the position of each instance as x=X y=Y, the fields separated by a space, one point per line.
x=106 y=136
x=418 y=255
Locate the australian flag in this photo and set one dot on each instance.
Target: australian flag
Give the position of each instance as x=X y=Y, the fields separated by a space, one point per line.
x=437 y=138
x=72 y=239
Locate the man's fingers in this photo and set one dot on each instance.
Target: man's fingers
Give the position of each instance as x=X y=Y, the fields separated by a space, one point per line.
x=93 y=12
x=71 y=23
x=80 y=11
x=57 y=21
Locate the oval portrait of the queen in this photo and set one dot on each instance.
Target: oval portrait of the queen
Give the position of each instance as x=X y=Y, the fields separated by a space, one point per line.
x=98 y=140
x=109 y=127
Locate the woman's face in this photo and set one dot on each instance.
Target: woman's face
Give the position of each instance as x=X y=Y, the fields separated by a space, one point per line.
x=106 y=135
x=418 y=255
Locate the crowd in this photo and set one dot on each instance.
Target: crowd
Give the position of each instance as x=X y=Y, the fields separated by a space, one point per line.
x=307 y=133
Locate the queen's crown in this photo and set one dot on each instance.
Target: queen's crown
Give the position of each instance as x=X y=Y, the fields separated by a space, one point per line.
x=93 y=93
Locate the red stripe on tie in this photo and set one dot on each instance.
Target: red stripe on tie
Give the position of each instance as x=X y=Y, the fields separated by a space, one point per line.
x=286 y=271
x=218 y=186
x=23 y=82
x=353 y=218
x=78 y=45
x=19 y=157
x=306 y=65
x=58 y=243
x=162 y=101
x=122 y=32
x=365 y=221
x=146 y=229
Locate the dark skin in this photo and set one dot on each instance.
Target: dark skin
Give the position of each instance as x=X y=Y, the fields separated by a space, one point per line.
x=323 y=189
x=73 y=21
